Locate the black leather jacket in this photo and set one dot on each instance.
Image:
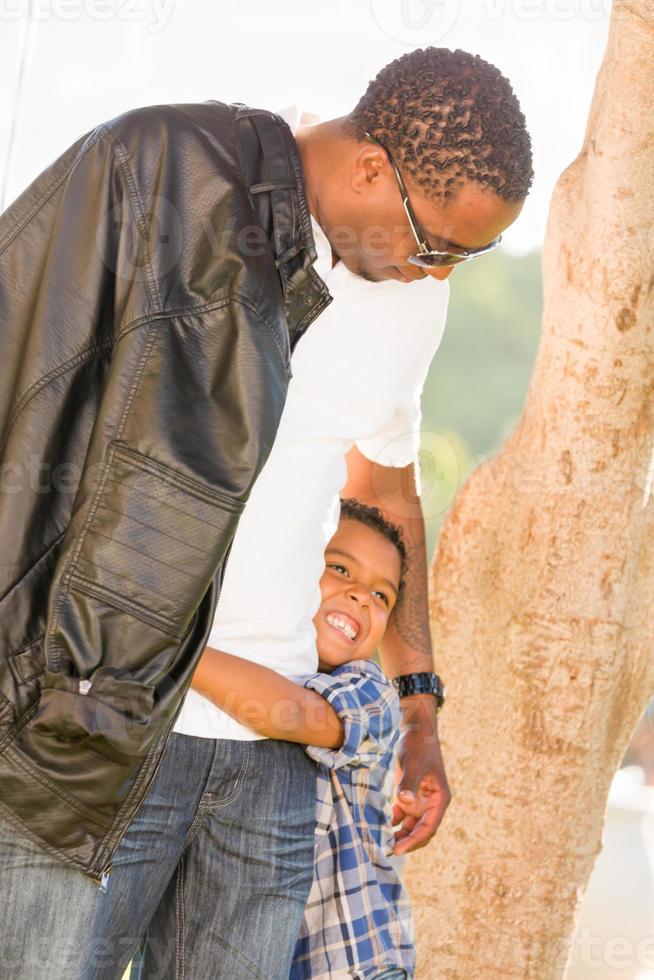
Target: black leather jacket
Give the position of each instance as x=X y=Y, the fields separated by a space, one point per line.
x=153 y=282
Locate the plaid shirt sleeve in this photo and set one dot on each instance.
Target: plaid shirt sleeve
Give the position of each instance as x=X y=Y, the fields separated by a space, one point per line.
x=369 y=709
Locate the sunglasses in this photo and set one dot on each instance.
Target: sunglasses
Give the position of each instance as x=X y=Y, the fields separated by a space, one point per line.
x=427 y=257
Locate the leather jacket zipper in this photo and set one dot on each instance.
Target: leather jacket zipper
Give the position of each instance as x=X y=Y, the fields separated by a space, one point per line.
x=104 y=874
x=101 y=882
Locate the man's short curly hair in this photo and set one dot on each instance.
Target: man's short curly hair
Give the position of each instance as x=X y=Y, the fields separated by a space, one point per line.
x=448 y=116
x=353 y=510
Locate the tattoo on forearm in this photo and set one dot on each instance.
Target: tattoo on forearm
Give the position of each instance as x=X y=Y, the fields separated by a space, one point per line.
x=411 y=614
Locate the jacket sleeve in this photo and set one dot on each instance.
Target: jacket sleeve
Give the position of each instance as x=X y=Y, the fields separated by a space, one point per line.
x=192 y=405
x=369 y=709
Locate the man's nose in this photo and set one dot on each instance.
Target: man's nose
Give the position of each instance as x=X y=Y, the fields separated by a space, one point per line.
x=442 y=273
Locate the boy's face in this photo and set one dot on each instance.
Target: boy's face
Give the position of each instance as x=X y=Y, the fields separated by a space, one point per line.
x=359 y=589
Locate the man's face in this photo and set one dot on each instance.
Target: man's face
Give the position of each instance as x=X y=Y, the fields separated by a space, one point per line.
x=359 y=589
x=370 y=232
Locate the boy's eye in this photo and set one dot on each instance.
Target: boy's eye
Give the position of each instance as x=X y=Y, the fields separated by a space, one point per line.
x=341 y=569
x=382 y=596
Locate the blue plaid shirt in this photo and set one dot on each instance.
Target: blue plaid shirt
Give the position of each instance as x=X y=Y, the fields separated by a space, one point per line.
x=357 y=920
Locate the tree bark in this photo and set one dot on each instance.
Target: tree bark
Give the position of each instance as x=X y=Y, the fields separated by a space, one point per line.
x=542 y=590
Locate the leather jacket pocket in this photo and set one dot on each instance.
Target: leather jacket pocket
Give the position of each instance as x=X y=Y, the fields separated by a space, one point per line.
x=27 y=663
x=25 y=672
x=150 y=546
x=7 y=715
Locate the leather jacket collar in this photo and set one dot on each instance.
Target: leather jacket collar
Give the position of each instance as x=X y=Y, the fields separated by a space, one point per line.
x=276 y=187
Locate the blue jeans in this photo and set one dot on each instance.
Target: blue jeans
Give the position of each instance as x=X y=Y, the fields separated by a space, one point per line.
x=216 y=866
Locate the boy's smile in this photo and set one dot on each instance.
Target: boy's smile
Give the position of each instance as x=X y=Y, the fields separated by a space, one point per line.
x=345 y=624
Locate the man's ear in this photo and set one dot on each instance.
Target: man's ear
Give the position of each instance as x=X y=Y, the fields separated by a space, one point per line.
x=368 y=167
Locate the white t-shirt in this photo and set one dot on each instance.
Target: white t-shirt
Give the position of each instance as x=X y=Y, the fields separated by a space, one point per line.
x=358 y=375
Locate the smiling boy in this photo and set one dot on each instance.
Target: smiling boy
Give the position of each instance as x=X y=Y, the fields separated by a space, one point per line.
x=357 y=919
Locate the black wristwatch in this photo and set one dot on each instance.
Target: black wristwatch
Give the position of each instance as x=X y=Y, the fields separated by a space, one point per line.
x=422 y=683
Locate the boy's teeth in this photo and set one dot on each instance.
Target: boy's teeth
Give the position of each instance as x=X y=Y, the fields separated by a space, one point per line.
x=343 y=626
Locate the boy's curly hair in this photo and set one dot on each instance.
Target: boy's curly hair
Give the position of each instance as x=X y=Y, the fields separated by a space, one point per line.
x=352 y=509
x=448 y=116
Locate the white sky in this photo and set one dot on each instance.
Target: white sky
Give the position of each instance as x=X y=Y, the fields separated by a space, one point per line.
x=88 y=60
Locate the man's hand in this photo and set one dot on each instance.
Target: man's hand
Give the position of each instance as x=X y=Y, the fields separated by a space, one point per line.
x=422 y=793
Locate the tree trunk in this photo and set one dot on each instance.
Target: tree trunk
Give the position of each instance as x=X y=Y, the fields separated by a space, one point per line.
x=542 y=593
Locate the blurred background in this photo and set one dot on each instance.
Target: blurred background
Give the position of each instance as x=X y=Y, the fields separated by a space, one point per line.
x=66 y=65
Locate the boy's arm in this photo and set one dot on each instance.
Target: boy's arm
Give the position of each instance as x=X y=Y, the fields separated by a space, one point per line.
x=267 y=702
x=368 y=707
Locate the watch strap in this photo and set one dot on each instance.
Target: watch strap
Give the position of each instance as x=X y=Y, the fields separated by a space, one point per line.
x=422 y=682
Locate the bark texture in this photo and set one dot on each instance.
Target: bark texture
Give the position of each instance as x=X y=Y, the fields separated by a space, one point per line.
x=542 y=590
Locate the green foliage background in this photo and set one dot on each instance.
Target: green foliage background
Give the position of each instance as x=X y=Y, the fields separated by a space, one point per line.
x=478 y=380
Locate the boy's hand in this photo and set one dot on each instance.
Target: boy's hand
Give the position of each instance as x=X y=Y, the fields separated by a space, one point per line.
x=422 y=793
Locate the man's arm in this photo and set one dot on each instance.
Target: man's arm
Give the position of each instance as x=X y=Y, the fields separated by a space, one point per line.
x=422 y=793
x=153 y=491
x=153 y=518
x=267 y=702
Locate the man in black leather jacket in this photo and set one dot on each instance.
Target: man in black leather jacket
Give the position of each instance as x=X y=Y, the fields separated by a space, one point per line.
x=154 y=280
